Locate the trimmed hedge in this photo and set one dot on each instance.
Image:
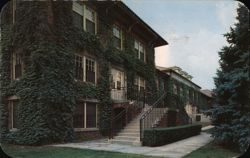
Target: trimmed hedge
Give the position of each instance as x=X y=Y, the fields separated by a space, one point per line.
x=162 y=136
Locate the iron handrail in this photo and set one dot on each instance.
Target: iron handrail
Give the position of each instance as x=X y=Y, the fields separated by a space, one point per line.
x=147 y=114
x=153 y=106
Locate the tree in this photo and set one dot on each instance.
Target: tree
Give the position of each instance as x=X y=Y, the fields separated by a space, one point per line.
x=231 y=113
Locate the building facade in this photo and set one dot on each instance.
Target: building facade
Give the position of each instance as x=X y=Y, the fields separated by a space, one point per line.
x=178 y=82
x=68 y=68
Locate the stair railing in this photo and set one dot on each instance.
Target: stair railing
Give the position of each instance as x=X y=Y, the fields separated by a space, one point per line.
x=149 y=118
x=179 y=103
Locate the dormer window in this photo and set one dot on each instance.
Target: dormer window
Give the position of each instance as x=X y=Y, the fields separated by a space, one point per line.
x=117 y=33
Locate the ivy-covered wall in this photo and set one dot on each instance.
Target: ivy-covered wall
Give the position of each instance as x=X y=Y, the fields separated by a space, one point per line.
x=44 y=34
x=200 y=100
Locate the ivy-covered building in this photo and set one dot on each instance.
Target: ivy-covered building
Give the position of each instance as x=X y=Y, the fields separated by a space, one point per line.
x=179 y=83
x=68 y=68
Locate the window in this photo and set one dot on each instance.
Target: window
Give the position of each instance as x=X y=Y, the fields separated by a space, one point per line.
x=13 y=114
x=198 y=118
x=90 y=20
x=77 y=20
x=181 y=91
x=140 y=83
x=117 y=32
x=175 y=88
x=17 y=65
x=78 y=15
x=85 y=115
x=91 y=115
x=84 y=18
x=190 y=95
x=118 y=84
x=140 y=50
x=117 y=79
x=90 y=70
x=85 y=69
x=79 y=67
x=15 y=5
x=78 y=116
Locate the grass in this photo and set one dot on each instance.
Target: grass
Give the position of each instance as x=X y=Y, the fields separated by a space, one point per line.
x=212 y=150
x=61 y=152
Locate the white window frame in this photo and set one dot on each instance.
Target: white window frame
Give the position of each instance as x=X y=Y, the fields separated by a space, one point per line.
x=85 y=120
x=82 y=9
x=84 y=68
x=11 y=128
x=123 y=77
x=95 y=67
x=13 y=64
x=140 y=46
x=140 y=82
x=121 y=33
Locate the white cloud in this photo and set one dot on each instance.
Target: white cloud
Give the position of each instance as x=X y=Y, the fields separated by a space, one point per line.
x=197 y=54
x=226 y=13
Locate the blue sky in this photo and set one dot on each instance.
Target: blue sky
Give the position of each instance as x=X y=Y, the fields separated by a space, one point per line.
x=194 y=30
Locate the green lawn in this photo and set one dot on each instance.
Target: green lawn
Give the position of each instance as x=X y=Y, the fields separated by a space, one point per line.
x=211 y=150
x=59 y=152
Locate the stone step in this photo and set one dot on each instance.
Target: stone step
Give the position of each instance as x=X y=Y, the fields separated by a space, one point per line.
x=126 y=138
x=129 y=134
x=131 y=130
x=126 y=142
x=132 y=127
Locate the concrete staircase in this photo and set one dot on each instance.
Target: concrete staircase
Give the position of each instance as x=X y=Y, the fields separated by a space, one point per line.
x=130 y=135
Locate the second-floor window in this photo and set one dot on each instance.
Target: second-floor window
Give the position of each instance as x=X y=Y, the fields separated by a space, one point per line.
x=140 y=83
x=117 y=79
x=84 y=17
x=85 y=69
x=17 y=65
x=79 y=67
x=117 y=33
x=90 y=70
x=140 y=50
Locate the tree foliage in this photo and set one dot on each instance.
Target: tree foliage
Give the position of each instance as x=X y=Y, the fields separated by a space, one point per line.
x=231 y=114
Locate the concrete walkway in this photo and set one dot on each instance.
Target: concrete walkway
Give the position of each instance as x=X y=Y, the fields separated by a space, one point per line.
x=174 y=150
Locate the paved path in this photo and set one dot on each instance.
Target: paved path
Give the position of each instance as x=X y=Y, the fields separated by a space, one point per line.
x=174 y=150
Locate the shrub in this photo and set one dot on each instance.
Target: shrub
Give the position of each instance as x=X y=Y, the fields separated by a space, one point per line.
x=162 y=136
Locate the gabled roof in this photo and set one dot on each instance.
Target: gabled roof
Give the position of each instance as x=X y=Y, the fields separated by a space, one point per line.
x=207 y=92
x=170 y=70
x=136 y=21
